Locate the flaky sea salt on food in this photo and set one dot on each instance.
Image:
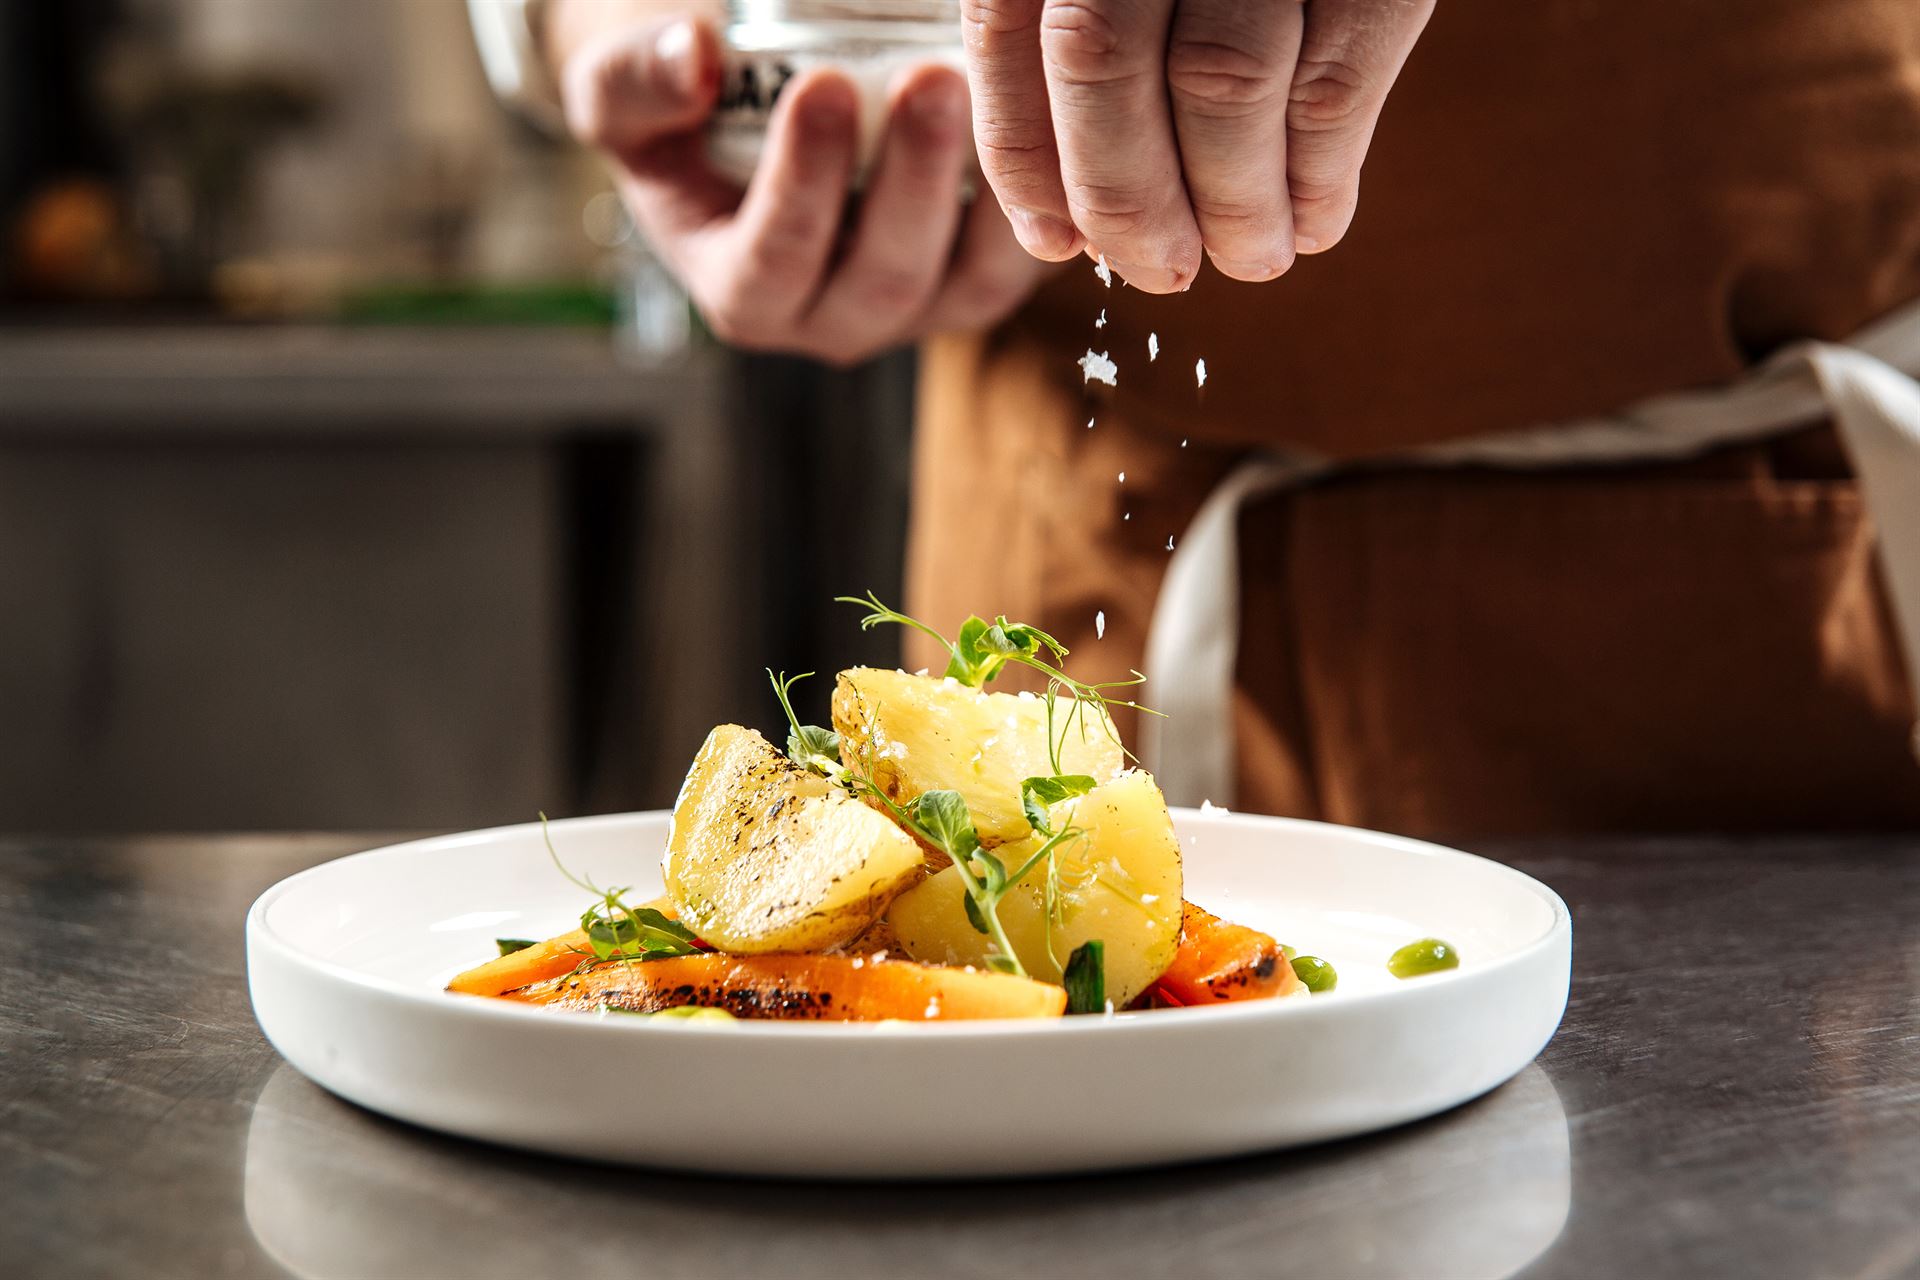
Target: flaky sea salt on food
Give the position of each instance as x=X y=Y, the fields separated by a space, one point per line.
x=1099 y=367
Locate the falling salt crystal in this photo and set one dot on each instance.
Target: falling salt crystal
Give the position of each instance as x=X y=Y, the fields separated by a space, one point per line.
x=1183 y=439
x=1099 y=368
x=1153 y=347
x=1100 y=625
x=1101 y=323
x=1123 y=477
x=1169 y=542
x=1105 y=272
x=1089 y=424
x=1127 y=515
x=1200 y=372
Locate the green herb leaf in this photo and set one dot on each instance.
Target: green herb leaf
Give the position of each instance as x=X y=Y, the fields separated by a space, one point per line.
x=811 y=746
x=972 y=663
x=943 y=817
x=1086 y=978
x=510 y=945
x=808 y=745
x=1037 y=794
x=974 y=918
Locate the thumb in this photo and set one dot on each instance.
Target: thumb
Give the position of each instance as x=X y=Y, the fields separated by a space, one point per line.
x=627 y=89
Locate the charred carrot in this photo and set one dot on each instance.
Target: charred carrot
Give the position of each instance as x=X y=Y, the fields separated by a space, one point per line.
x=1218 y=960
x=820 y=988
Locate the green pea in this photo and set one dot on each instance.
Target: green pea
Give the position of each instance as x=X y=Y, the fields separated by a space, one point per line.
x=1316 y=974
x=1429 y=955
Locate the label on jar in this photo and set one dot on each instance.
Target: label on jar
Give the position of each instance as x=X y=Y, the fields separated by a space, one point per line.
x=750 y=86
x=752 y=82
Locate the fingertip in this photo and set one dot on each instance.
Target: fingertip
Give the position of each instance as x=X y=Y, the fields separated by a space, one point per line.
x=825 y=104
x=687 y=52
x=934 y=101
x=1044 y=236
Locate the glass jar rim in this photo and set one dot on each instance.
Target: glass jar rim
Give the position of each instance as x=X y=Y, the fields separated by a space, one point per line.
x=754 y=12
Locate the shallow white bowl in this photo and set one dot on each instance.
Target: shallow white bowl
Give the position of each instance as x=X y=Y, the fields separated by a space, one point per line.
x=347 y=961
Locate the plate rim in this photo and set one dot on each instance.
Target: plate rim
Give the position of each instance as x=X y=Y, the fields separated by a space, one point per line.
x=260 y=933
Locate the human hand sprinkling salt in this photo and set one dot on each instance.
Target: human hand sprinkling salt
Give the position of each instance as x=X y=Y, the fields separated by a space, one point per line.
x=1137 y=128
x=773 y=267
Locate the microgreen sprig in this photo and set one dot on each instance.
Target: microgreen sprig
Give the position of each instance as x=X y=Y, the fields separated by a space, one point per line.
x=808 y=745
x=618 y=933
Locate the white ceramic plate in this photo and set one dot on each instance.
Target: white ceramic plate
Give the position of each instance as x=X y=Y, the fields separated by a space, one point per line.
x=347 y=962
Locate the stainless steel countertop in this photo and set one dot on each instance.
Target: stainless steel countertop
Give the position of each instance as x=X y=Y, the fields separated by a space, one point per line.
x=1735 y=1092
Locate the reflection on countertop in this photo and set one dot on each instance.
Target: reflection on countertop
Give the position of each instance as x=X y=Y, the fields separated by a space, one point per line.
x=333 y=1192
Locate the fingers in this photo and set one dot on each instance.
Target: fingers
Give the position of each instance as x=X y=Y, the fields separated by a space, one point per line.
x=633 y=86
x=757 y=272
x=900 y=250
x=991 y=274
x=1106 y=81
x=1012 y=126
x=1351 y=52
x=1229 y=68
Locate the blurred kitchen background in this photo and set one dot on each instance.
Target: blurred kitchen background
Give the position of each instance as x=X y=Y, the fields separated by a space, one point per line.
x=357 y=467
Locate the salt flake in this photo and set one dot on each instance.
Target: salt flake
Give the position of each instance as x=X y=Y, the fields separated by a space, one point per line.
x=1100 y=624
x=1089 y=424
x=1200 y=372
x=1101 y=323
x=1153 y=347
x=1105 y=272
x=1123 y=477
x=1169 y=542
x=1099 y=368
x=1208 y=806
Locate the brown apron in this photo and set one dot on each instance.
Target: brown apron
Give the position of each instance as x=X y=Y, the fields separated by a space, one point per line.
x=1569 y=207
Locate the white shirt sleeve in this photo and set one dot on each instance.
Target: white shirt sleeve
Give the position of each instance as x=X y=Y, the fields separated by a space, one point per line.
x=507 y=33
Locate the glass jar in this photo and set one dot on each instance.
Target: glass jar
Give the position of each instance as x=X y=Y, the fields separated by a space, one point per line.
x=769 y=42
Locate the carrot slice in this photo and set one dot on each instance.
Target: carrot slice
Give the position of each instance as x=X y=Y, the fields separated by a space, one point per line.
x=818 y=988
x=538 y=962
x=525 y=967
x=1219 y=961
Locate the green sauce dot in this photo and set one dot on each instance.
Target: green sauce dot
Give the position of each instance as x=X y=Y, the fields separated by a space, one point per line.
x=1416 y=959
x=1316 y=974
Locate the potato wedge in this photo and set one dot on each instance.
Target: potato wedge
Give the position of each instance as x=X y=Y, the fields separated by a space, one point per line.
x=1120 y=883
x=764 y=856
x=808 y=987
x=927 y=733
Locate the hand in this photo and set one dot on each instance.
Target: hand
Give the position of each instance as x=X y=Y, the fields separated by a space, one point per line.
x=773 y=267
x=1148 y=130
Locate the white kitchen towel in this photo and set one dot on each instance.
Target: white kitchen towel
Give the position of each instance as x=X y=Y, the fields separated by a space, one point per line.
x=1193 y=642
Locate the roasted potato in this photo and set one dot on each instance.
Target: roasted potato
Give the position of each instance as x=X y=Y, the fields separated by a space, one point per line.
x=764 y=856
x=1119 y=882
x=914 y=734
